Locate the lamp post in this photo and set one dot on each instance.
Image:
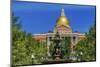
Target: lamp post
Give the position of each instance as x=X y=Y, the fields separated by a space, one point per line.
x=81 y=53
x=78 y=59
x=32 y=56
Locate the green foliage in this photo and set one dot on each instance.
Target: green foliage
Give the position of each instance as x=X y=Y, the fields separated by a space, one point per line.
x=66 y=46
x=87 y=46
x=51 y=48
x=23 y=46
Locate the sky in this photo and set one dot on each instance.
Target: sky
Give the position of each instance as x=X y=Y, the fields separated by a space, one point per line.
x=41 y=17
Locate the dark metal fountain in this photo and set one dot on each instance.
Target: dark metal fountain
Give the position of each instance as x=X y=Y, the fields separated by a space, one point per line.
x=57 y=54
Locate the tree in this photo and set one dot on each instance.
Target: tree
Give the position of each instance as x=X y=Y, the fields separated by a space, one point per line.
x=24 y=46
x=66 y=46
x=87 y=46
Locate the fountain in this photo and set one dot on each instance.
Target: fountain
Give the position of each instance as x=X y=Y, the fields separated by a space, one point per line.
x=57 y=54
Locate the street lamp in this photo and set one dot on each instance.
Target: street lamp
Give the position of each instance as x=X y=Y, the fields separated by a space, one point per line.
x=78 y=59
x=32 y=56
x=81 y=53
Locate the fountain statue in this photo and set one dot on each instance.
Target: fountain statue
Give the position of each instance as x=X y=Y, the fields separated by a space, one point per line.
x=57 y=53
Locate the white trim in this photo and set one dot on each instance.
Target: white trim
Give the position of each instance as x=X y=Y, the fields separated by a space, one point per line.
x=82 y=2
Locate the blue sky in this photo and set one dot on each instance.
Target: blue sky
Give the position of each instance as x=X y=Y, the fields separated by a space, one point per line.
x=41 y=17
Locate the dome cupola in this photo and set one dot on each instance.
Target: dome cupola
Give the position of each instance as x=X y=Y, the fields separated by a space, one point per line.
x=62 y=20
x=62 y=24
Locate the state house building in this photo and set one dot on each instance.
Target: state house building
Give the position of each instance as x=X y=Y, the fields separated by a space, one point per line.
x=63 y=28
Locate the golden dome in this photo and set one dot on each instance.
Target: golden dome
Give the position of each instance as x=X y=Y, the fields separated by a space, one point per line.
x=62 y=20
x=62 y=24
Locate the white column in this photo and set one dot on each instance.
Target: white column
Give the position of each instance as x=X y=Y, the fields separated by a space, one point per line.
x=48 y=45
x=72 y=43
x=76 y=41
